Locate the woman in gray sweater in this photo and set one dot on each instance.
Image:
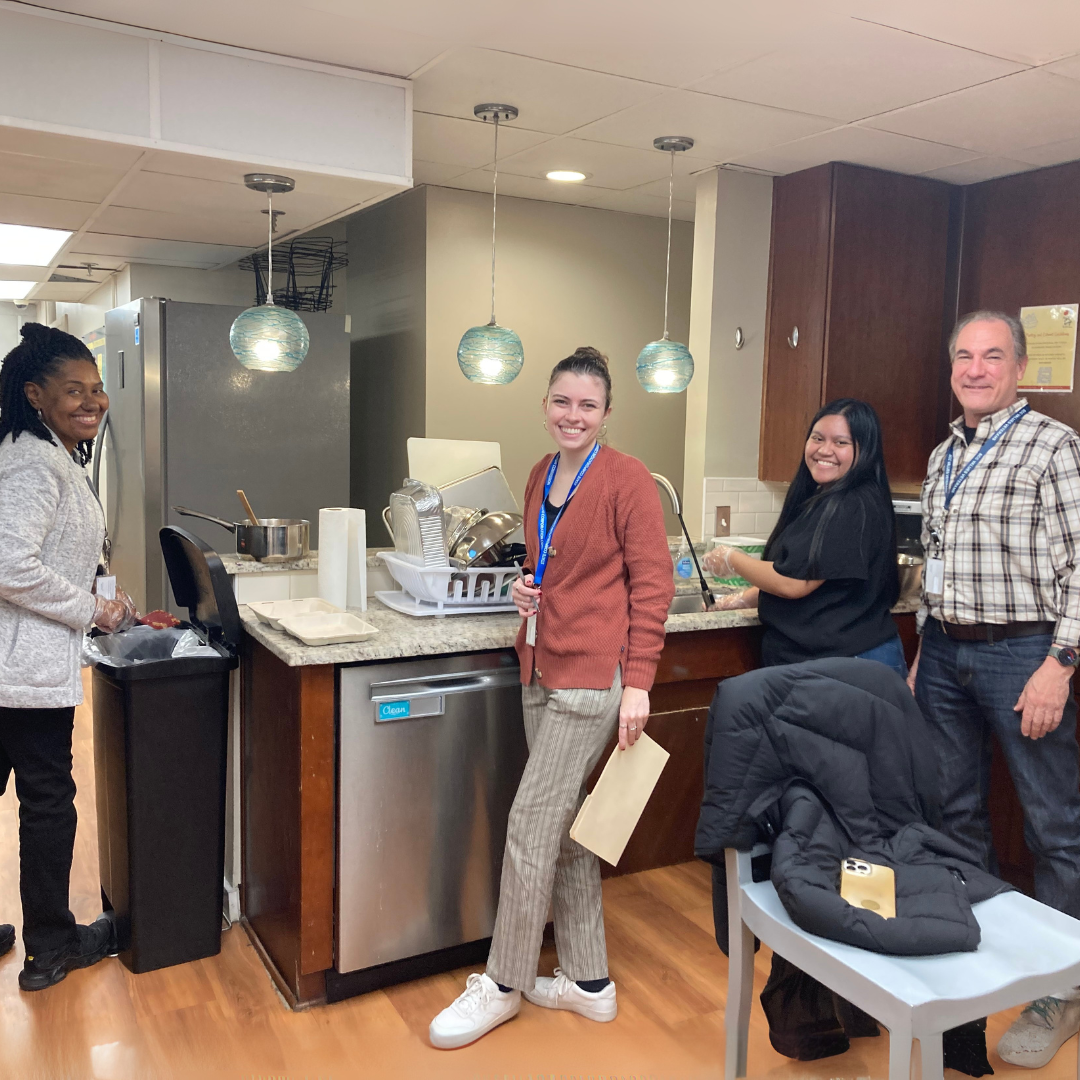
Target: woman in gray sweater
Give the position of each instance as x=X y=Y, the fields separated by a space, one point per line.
x=52 y=532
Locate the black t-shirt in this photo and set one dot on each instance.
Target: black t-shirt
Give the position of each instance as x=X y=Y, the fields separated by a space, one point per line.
x=849 y=612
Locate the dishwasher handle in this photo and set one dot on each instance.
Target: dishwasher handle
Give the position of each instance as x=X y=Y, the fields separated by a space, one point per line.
x=462 y=682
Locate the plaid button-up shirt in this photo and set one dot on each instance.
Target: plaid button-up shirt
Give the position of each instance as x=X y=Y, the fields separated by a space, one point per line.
x=1010 y=539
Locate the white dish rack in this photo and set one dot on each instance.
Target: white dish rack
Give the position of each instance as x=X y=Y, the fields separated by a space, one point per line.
x=481 y=589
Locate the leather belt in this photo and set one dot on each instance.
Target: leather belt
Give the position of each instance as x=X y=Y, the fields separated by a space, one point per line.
x=991 y=632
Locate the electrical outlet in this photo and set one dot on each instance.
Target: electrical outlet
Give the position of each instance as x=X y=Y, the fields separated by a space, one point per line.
x=722 y=525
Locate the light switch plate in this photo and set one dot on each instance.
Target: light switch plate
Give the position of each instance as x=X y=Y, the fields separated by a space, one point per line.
x=722 y=525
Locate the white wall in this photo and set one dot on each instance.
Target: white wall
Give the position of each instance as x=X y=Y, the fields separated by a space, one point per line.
x=733 y=221
x=567 y=276
x=9 y=327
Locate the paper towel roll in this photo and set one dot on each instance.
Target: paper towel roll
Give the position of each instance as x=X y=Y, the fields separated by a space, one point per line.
x=334 y=555
x=357 y=575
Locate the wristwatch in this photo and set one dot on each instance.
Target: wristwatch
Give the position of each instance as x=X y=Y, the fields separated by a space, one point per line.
x=1065 y=655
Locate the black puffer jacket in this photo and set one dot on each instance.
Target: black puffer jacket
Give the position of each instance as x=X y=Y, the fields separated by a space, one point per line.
x=830 y=759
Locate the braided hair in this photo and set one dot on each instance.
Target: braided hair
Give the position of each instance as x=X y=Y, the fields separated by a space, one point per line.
x=40 y=355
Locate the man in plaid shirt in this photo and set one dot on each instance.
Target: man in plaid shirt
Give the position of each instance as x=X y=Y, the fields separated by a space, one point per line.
x=1000 y=625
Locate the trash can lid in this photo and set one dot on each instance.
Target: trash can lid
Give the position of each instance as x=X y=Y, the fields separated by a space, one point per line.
x=200 y=584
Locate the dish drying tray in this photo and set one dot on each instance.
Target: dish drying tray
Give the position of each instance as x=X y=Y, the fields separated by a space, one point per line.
x=433 y=590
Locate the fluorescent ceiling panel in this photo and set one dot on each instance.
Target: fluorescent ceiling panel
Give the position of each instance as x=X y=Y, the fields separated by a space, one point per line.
x=27 y=245
x=15 y=290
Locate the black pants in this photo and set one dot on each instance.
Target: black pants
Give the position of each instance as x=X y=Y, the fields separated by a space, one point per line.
x=36 y=745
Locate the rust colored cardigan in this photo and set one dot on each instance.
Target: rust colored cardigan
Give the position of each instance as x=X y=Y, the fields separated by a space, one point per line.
x=608 y=582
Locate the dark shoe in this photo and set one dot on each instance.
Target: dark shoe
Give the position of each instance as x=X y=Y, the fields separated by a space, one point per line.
x=93 y=943
x=7 y=938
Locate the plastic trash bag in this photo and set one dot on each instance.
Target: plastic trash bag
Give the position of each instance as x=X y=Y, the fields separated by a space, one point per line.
x=143 y=644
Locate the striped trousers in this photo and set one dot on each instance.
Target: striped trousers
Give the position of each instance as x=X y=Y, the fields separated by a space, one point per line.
x=567 y=731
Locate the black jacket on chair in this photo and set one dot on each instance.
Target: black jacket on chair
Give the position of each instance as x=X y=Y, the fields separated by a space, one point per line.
x=830 y=759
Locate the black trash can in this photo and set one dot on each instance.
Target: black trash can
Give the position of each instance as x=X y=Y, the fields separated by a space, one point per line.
x=160 y=739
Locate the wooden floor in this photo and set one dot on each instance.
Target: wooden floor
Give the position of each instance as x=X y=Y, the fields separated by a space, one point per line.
x=223 y=1018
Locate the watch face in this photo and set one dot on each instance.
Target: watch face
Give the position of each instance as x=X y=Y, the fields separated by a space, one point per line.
x=1067 y=656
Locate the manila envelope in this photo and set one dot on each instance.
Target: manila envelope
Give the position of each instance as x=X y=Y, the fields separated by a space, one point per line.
x=610 y=813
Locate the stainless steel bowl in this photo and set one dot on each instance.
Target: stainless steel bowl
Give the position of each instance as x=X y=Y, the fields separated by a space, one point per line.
x=485 y=542
x=911 y=570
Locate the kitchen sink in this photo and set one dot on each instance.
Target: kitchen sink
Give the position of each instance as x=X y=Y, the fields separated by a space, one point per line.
x=686 y=604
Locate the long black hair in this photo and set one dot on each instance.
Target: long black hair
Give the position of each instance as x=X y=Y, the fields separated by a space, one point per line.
x=867 y=474
x=39 y=356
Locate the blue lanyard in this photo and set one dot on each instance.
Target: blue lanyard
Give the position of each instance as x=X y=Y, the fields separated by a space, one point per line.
x=952 y=488
x=547 y=533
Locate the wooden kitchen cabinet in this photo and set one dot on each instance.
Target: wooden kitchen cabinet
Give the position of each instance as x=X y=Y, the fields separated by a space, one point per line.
x=858 y=277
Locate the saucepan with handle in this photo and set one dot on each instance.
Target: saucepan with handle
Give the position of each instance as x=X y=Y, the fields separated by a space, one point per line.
x=269 y=540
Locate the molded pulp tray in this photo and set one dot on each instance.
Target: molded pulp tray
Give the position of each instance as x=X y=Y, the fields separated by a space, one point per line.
x=273 y=611
x=327 y=629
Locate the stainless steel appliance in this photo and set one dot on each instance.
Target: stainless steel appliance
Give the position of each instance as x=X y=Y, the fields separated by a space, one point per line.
x=908 y=526
x=188 y=426
x=431 y=753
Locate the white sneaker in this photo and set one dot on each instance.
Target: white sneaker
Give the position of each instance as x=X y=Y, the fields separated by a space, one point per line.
x=480 y=1008
x=564 y=993
x=1039 y=1032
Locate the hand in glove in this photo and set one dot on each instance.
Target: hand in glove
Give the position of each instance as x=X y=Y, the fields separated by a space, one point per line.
x=113 y=616
x=748 y=598
x=718 y=562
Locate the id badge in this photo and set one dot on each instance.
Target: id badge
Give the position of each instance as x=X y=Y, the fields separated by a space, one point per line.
x=530 y=630
x=934 y=578
x=105 y=586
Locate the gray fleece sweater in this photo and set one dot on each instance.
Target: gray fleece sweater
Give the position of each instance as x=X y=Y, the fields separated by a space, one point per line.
x=51 y=532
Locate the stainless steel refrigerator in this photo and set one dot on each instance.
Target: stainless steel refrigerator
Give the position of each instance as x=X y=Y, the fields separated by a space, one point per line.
x=188 y=425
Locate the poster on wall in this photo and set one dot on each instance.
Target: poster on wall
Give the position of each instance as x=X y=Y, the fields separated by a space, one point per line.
x=1051 y=341
x=95 y=342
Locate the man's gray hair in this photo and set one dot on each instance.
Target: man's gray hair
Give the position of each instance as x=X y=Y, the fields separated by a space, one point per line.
x=1019 y=338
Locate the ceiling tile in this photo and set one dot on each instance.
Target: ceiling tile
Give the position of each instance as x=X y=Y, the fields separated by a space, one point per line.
x=63 y=291
x=1031 y=108
x=860 y=146
x=605 y=164
x=1033 y=32
x=1052 y=153
x=449 y=140
x=46 y=213
x=44 y=144
x=849 y=69
x=162 y=225
x=431 y=172
x=722 y=129
x=636 y=202
x=24 y=174
x=551 y=97
x=526 y=187
x=977 y=170
x=100 y=247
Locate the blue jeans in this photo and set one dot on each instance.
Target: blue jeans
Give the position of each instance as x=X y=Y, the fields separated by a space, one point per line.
x=890 y=653
x=967 y=690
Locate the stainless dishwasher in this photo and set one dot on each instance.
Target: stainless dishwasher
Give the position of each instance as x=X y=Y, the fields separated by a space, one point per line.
x=431 y=752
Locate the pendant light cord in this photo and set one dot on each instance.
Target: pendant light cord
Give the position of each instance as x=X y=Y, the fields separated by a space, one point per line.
x=494 y=205
x=270 y=249
x=667 y=276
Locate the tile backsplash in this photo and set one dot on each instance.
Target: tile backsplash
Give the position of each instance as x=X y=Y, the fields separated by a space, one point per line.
x=755 y=504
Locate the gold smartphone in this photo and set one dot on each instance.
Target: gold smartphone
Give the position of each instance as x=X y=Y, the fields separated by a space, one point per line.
x=867 y=885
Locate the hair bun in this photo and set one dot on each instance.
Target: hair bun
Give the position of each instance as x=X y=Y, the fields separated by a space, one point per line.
x=34 y=332
x=587 y=352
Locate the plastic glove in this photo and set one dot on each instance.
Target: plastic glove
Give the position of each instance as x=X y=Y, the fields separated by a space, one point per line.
x=109 y=615
x=718 y=562
x=131 y=616
x=736 y=601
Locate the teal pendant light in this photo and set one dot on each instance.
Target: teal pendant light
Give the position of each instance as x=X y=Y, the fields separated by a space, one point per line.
x=268 y=337
x=492 y=354
x=666 y=366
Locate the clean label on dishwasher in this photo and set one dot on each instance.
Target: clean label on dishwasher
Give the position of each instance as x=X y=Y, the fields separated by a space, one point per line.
x=409 y=708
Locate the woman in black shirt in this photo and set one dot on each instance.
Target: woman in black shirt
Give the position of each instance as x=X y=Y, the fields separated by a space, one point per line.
x=828 y=578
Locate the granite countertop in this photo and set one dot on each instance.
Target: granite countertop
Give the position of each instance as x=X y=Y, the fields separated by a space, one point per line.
x=238 y=564
x=402 y=636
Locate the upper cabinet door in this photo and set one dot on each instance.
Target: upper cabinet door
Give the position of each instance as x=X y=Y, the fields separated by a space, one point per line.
x=886 y=306
x=795 y=328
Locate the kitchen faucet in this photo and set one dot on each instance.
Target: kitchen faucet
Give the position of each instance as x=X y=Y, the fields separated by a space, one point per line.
x=673 y=495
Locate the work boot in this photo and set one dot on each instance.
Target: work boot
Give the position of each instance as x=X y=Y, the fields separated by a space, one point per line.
x=92 y=943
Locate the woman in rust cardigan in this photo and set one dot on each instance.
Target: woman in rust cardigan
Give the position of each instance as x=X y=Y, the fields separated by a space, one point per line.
x=594 y=609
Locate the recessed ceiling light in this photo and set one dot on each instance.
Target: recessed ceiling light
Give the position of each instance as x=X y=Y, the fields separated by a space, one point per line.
x=566 y=176
x=15 y=290
x=27 y=245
